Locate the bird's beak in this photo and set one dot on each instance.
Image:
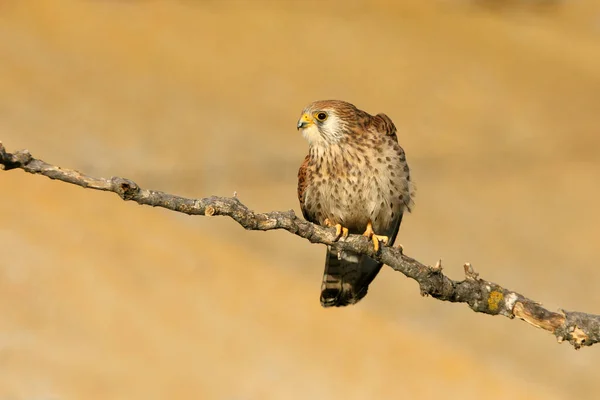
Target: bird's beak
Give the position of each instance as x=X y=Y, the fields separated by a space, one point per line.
x=304 y=121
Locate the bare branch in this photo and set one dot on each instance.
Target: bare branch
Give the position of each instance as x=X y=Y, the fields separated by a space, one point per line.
x=579 y=329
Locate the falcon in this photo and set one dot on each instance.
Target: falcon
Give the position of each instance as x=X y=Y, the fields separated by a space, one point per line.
x=355 y=178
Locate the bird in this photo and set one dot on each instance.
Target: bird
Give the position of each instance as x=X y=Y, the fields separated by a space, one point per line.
x=355 y=178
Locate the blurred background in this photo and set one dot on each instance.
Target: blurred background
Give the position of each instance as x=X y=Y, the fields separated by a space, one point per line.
x=497 y=106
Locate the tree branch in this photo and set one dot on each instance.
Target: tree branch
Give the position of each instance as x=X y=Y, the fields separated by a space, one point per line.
x=579 y=329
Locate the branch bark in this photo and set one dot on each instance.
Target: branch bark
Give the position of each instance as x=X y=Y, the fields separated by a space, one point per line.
x=579 y=329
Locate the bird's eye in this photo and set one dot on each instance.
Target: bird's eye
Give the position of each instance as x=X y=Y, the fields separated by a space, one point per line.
x=321 y=116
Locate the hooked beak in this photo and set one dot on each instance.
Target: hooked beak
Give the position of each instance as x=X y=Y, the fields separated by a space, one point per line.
x=304 y=121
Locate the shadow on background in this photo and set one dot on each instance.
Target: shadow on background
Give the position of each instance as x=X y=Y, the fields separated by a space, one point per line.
x=497 y=110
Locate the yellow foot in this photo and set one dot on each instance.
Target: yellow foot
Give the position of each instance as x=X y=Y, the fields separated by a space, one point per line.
x=340 y=231
x=375 y=238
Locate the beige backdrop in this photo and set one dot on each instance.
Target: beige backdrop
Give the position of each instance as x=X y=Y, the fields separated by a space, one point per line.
x=497 y=109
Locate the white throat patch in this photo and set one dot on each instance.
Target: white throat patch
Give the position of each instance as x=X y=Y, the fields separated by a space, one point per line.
x=330 y=133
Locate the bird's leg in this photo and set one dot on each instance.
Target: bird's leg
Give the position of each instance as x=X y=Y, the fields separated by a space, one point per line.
x=340 y=231
x=374 y=238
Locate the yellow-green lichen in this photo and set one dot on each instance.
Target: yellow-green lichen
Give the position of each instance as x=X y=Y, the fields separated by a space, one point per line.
x=494 y=300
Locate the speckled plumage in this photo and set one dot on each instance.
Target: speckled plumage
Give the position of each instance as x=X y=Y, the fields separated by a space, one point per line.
x=355 y=173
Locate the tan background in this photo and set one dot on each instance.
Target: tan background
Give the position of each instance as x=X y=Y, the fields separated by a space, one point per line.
x=497 y=109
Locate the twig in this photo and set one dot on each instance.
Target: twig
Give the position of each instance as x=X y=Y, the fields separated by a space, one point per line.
x=579 y=329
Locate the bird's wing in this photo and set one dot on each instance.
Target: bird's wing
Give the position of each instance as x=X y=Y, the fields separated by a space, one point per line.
x=347 y=275
x=303 y=181
x=383 y=125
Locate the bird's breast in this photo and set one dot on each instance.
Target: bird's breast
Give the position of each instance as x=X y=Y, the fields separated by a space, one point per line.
x=353 y=186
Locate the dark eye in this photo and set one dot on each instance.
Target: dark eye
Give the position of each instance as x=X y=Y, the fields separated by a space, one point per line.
x=321 y=116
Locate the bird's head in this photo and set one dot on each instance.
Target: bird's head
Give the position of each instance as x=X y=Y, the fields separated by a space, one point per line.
x=325 y=122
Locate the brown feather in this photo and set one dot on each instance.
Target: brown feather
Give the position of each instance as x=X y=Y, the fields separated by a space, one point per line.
x=384 y=124
x=303 y=181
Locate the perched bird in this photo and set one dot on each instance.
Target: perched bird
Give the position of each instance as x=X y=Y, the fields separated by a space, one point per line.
x=355 y=178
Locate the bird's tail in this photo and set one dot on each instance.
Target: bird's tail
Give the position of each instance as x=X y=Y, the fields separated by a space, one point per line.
x=346 y=278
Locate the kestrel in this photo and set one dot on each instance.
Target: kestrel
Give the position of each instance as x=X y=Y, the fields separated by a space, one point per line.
x=355 y=177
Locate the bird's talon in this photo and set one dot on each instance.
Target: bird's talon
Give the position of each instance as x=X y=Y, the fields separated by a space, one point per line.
x=375 y=243
x=345 y=233
x=375 y=238
x=340 y=231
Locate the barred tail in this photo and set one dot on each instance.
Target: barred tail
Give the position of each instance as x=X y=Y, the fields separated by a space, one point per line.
x=346 y=278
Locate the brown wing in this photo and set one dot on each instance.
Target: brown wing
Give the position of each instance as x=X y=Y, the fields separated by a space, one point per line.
x=347 y=276
x=303 y=181
x=384 y=125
